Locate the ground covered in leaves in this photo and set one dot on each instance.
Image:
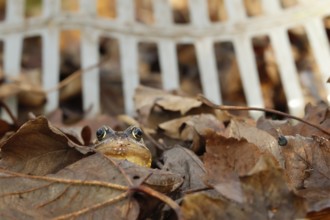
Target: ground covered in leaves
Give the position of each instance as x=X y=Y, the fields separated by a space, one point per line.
x=207 y=164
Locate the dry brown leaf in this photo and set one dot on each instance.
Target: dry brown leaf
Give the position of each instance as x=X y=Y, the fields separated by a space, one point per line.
x=79 y=135
x=225 y=160
x=38 y=148
x=9 y=89
x=92 y=188
x=317 y=199
x=318 y=115
x=56 y=118
x=192 y=128
x=184 y=162
x=5 y=127
x=156 y=106
x=145 y=98
x=275 y=127
x=202 y=206
x=101 y=168
x=200 y=123
x=267 y=197
x=28 y=88
x=307 y=162
x=260 y=138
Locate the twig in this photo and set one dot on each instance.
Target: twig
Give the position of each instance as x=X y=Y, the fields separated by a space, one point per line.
x=245 y=108
x=75 y=75
x=11 y=115
x=149 y=191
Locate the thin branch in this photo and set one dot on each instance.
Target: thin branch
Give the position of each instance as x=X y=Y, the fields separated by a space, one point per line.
x=245 y=108
x=197 y=190
x=11 y=115
x=76 y=75
x=167 y=200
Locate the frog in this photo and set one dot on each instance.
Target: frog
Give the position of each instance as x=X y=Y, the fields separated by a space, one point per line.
x=127 y=145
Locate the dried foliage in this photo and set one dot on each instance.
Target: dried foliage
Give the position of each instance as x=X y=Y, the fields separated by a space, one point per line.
x=207 y=164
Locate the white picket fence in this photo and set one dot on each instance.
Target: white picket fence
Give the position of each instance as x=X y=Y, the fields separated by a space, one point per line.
x=201 y=32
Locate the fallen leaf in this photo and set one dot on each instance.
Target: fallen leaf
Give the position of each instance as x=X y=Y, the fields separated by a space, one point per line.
x=156 y=106
x=317 y=199
x=202 y=206
x=8 y=90
x=81 y=190
x=122 y=172
x=192 y=128
x=260 y=138
x=184 y=162
x=38 y=148
x=267 y=197
x=79 y=135
x=318 y=115
x=145 y=98
x=307 y=161
x=5 y=127
x=225 y=160
x=275 y=127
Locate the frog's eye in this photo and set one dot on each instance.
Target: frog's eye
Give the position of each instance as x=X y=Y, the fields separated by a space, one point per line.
x=100 y=133
x=137 y=133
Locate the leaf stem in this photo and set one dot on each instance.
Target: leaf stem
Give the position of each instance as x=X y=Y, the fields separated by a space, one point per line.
x=245 y=108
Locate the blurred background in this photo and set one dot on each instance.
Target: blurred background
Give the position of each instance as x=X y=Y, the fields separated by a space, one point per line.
x=111 y=85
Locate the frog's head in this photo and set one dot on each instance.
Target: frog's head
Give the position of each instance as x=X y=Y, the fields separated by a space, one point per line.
x=126 y=144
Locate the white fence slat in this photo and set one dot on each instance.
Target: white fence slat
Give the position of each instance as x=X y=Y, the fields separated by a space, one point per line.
x=166 y=48
x=271 y=6
x=51 y=66
x=51 y=55
x=51 y=7
x=88 y=7
x=235 y=10
x=14 y=10
x=245 y=57
x=248 y=72
x=205 y=52
x=162 y=13
x=208 y=69
x=90 y=57
x=128 y=54
x=199 y=12
x=129 y=66
x=289 y=76
x=169 y=64
x=13 y=49
x=126 y=11
x=319 y=42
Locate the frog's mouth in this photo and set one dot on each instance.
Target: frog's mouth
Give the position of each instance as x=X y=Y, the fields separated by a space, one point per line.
x=126 y=150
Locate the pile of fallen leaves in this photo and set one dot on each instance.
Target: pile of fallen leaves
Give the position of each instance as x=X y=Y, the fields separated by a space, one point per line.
x=207 y=164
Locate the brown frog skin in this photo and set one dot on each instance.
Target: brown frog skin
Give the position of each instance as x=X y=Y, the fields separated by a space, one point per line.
x=126 y=144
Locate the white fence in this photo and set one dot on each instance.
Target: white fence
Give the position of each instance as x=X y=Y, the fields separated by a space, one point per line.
x=239 y=29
